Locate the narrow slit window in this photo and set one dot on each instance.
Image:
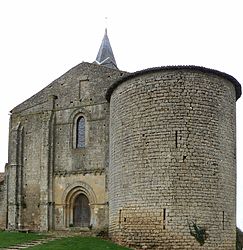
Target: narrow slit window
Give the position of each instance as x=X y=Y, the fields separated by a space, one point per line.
x=164 y=217
x=80 y=133
x=223 y=220
x=120 y=217
x=176 y=139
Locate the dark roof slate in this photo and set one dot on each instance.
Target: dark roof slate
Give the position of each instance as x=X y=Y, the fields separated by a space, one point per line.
x=105 y=55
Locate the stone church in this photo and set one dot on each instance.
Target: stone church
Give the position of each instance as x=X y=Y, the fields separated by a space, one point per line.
x=150 y=155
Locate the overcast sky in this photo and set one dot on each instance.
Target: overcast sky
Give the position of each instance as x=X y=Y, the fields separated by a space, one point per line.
x=42 y=39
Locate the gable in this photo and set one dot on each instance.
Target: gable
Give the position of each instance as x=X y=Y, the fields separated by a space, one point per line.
x=84 y=83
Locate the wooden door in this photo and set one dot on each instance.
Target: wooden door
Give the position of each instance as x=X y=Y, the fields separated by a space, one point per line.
x=81 y=211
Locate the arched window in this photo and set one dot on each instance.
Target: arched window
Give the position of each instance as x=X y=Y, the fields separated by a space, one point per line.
x=80 y=133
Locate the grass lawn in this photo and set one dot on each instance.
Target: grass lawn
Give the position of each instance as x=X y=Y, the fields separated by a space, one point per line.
x=13 y=238
x=79 y=243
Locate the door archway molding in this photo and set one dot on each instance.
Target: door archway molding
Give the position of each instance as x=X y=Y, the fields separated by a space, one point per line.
x=69 y=196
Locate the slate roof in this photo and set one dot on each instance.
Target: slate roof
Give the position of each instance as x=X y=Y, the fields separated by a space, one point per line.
x=105 y=55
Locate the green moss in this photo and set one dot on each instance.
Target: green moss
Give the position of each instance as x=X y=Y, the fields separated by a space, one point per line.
x=198 y=232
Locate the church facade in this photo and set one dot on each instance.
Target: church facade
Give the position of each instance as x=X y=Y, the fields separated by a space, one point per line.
x=149 y=155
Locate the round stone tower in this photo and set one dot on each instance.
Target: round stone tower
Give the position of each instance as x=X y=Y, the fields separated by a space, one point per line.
x=172 y=172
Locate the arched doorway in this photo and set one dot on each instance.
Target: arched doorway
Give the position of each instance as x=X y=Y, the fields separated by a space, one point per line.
x=81 y=211
x=79 y=199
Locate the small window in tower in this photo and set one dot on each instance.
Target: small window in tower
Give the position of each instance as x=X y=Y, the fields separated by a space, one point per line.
x=80 y=133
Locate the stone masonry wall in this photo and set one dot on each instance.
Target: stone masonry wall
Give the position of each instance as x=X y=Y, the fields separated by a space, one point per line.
x=27 y=168
x=42 y=147
x=172 y=161
x=2 y=205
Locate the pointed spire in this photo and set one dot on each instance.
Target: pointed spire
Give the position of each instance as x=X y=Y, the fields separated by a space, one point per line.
x=105 y=55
